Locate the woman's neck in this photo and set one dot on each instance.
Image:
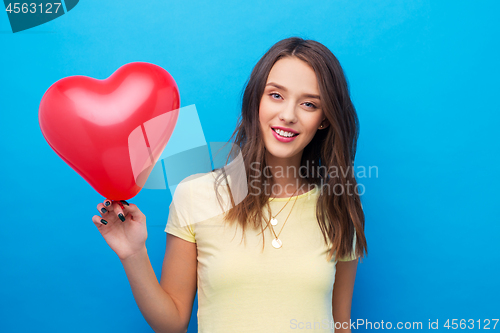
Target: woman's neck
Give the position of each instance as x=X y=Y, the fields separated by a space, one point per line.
x=286 y=180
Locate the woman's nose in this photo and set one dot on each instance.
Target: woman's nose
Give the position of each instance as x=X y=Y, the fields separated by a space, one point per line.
x=287 y=114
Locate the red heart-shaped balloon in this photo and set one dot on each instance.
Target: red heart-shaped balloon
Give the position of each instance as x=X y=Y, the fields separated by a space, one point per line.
x=112 y=131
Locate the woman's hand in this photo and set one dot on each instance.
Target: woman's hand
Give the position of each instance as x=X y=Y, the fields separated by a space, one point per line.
x=123 y=226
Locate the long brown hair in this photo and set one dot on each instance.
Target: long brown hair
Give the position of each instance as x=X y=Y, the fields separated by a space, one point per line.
x=333 y=148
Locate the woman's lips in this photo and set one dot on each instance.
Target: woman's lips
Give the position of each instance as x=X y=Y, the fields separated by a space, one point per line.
x=282 y=138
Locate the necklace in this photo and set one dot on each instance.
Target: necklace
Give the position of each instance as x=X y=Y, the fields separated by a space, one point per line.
x=273 y=220
x=277 y=243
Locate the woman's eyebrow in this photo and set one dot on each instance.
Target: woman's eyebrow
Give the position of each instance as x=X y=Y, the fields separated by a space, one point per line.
x=284 y=89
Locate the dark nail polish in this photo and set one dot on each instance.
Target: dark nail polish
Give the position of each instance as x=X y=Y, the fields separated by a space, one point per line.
x=104 y=210
x=124 y=202
x=121 y=217
x=107 y=203
x=103 y=221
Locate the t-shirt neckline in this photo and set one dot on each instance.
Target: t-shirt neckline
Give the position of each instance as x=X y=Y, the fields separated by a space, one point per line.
x=310 y=192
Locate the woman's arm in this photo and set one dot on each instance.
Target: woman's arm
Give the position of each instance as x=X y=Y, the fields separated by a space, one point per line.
x=167 y=305
x=342 y=293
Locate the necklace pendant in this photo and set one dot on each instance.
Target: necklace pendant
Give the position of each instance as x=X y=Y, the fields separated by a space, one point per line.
x=277 y=243
x=274 y=221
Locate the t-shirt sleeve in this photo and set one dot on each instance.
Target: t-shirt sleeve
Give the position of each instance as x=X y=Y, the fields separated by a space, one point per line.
x=353 y=256
x=178 y=224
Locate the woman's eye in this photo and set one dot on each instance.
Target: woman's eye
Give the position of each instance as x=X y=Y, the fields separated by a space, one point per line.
x=310 y=105
x=275 y=95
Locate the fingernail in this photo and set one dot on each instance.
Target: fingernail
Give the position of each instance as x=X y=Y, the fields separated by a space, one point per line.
x=103 y=210
x=124 y=202
x=121 y=217
x=107 y=203
x=103 y=221
x=120 y=204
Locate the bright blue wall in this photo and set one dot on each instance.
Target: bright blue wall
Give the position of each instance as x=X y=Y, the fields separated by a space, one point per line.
x=424 y=79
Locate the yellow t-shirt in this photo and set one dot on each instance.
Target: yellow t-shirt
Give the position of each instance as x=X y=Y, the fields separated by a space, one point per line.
x=244 y=289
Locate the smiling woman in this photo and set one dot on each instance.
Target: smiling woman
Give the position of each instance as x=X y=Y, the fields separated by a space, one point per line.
x=296 y=114
x=299 y=258
x=290 y=110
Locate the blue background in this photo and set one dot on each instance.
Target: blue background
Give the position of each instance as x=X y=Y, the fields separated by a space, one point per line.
x=424 y=80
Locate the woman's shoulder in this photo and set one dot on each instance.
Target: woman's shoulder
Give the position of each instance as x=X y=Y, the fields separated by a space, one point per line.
x=196 y=195
x=193 y=187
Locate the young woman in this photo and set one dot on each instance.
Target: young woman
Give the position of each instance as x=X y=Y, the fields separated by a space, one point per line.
x=301 y=219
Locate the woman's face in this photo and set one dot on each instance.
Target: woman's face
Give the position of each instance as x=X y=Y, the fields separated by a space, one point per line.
x=290 y=102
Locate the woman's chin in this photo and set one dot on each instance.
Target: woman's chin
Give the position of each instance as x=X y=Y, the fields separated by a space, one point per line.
x=280 y=153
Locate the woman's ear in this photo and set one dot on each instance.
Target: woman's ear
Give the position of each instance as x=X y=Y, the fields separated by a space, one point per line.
x=324 y=124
